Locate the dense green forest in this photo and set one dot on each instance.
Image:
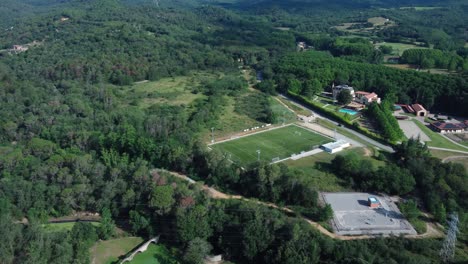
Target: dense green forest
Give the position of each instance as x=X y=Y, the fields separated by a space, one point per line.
x=74 y=138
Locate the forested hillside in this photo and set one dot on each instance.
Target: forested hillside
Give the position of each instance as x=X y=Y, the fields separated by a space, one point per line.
x=80 y=131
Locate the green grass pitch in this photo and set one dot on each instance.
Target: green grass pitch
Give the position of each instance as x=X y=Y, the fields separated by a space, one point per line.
x=276 y=143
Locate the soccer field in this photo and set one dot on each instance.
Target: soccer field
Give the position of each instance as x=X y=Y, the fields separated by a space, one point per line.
x=277 y=143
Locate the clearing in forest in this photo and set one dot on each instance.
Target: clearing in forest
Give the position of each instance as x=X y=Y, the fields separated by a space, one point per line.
x=279 y=143
x=180 y=90
x=109 y=251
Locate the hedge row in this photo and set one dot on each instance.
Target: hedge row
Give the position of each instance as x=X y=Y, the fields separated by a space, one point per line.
x=337 y=117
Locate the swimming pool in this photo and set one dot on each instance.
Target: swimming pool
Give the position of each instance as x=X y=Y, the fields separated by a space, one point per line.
x=347 y=111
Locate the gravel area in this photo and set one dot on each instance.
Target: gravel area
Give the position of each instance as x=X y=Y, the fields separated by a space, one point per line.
x=411 y=130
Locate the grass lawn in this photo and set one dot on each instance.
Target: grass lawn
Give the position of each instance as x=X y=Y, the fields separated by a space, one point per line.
x=56 y=227
x=438 y=140
x=109 y=251
x=281 y=142
x=157 y=254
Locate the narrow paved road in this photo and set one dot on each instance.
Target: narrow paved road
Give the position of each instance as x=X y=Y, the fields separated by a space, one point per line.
x=361 y=136
x=450 y=150
x=213 y=193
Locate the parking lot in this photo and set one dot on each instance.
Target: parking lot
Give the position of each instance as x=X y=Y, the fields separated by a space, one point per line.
x=411 y=130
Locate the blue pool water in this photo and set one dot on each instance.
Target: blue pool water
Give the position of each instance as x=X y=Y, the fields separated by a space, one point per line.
x=348 y=111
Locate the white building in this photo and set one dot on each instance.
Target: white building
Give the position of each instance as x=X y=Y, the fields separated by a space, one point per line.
x=337 y=146
x=339 y=88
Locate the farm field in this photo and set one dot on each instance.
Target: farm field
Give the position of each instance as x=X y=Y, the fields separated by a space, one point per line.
x=157 y=254
x=109 y=251
x=277 y=143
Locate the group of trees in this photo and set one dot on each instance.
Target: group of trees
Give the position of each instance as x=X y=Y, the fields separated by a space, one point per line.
x=362 y=174
x=356 y=49
x=431 y=58
x=383 y=117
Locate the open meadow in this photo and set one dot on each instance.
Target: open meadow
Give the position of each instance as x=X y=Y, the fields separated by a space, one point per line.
x=276 y=143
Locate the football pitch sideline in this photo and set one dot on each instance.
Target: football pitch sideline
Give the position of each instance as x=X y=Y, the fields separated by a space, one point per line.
x=278 y=143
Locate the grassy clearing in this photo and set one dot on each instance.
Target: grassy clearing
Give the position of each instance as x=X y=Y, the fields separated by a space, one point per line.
x=57 y=227
x=398 y=48
x=157 y=254
x=181 y=90
x=414 y=67
x=317 y=167
x=281 y=143
x=232 y=122
x=378 y=21
x=109 y=251
x=441 y=154
x=321 y=179
x=282 y=112
x=438 y=140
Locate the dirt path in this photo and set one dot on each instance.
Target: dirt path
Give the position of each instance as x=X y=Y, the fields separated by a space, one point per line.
x=285 y=105
x=447 y=159
x=215 y=194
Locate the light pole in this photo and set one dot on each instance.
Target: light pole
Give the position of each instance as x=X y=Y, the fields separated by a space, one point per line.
x=258 y=156
x=212 y=135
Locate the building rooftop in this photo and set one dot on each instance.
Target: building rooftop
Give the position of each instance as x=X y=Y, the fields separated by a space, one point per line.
x=371 y=95
x=447 y=126
x=418 y=107
x=373 y=200
x=336 y=144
